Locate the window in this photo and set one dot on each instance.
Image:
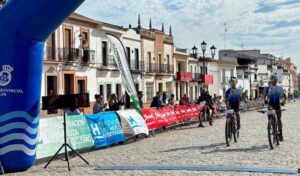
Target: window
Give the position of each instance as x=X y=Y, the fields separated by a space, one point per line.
x=108 y=90
x=128 y=56
x=201 y=70
x=84 y=37
x=149 y=61
x=137 y=59
x=191 y=69
x=149 y=91
x=104 y=53
x=118 y=90
x=101 y=90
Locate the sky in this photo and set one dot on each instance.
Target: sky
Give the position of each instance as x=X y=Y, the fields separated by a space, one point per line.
x=273 y=26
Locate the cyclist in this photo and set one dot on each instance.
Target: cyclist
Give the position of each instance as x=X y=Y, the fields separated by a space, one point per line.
x=233 y=99
x=273 y=97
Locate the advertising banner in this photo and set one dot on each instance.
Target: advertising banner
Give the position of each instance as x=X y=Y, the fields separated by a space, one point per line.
x=150 y=118
x=135 y=121
x=105 y=128
x=51 y=135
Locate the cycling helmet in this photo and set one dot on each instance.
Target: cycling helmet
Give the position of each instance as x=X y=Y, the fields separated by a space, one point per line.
x=274 y=77
x=232 y=80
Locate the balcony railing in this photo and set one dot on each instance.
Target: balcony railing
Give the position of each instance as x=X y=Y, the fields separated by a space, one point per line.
x=150 y=68
x=50 y=53
x=136 y=65
x=197 y=77
x=69 y=54
x=88 y=56
x=184 y=76
x=165 y=68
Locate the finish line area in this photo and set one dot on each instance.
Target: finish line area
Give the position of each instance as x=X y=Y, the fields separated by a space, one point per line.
x=212 y=168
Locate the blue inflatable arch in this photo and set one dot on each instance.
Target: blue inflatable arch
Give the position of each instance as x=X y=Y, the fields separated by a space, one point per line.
x=24 y=27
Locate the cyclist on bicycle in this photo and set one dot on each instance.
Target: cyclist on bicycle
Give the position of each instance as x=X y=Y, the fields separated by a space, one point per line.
x=274 y=94
x=233 y=99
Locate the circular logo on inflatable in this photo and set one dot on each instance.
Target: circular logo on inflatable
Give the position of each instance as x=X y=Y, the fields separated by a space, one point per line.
x=5 y=75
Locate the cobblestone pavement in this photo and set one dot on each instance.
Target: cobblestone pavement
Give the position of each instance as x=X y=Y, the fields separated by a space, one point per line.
x=194 y=146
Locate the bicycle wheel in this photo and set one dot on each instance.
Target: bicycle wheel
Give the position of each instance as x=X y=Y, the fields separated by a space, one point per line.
x=235 y=132
x=272 y=133
x=228 y=131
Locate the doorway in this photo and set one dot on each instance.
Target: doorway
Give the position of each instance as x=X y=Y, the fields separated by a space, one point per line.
x=69 y=83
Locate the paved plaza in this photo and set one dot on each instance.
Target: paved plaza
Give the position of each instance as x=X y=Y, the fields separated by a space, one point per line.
x=194 y=146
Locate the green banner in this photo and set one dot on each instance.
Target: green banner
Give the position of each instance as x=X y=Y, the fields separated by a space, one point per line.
x=51 y=135
x=118 y=52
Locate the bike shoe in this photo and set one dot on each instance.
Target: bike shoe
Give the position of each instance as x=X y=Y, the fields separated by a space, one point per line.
x=200 y=125
x=280 y=138
x=238 y=126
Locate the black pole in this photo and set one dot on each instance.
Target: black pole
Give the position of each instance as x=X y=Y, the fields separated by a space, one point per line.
x=250 y=86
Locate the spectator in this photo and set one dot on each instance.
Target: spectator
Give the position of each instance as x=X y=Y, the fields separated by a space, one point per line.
x=184 y=100
x=215 y=98
x=164 y=98
x=156 y=102
x=99 y=105
x=140 y=97
x=171 y=100
x=73 y=110
x=114 y=104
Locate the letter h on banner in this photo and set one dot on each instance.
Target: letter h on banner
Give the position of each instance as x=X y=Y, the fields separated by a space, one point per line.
x=95 y=129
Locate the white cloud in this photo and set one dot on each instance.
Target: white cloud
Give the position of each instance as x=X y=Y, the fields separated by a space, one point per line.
x=196 y=20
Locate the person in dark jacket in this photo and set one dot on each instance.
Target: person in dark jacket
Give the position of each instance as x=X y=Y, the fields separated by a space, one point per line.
x=140 y=97
x=114 y=103
x=156 y=102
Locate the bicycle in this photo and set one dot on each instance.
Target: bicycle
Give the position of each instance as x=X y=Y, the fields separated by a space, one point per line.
x=205 y=114
x=273 y=131
x=231 y=127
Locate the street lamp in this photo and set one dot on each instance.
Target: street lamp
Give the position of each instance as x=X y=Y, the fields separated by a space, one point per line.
x=213 y=51
x=194 y=51
x=203 y=47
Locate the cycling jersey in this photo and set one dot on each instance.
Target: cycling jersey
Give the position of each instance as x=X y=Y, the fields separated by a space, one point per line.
x=233 y=96
x=274 y=94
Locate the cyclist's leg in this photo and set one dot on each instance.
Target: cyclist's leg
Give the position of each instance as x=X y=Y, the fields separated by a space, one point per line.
x=279 y=123
x=237 y=114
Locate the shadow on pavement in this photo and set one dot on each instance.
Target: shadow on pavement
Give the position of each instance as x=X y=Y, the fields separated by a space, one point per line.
x=249 y=149
x=204 y=147
x=220 y=147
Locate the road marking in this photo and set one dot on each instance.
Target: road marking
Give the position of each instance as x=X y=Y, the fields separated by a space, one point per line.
x=219 y=168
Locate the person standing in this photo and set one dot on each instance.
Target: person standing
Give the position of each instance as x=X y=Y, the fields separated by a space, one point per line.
x=99 y=105
x=140 y=98
x=156 y=102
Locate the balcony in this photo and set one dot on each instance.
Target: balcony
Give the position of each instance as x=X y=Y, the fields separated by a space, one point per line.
x=150 y=68
x=166 y=68
x=207 y=79
x=88 y=56
x=69 y=55
x=136 y=66
x=184 y=76
x=196 y=77
x=50 y=53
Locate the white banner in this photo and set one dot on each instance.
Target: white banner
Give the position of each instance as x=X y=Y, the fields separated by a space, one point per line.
x=135 y=121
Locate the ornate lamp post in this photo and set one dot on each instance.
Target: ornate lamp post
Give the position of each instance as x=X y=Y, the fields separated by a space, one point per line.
x=203 y=48
x=213 y=51
x=194 y=51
